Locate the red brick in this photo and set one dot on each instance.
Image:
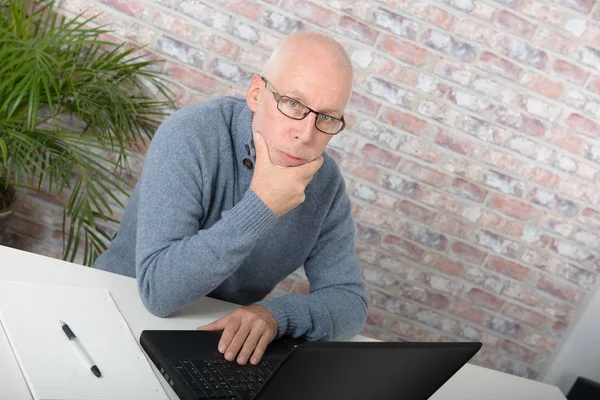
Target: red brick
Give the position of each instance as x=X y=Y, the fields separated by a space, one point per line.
x=590 y=217
x=468 y=253
x=542 y=85
x=570 y=72
x=403 y=247
x=28 y=228
x=527 y=316
x=415 y=212
x=433 y=15
x=539 y=175
x=468 y=190
x=385 y=67
x=403 y=50
x=281 y=23
x=420 y=149
x=361 y=169
x=379 y=155
x=401 y=185
x=311 y=12
x=564 y=139
x=440 y=202
x=594 y=84
x=475 y=32
x=376 y=318
x=496 y=65
x=423 y=296
x=556 y=289
x=554 y=41
x=410 y=77
x=422 y=173
x=511 y=207
x=443 y=264
x=443 y=284
x=246 y=8
x=543 y=12
x=514 y=23
x=412 y=332
x=192 y=78
x=494 y=221
x=519 y=351
x=286 y=285
x=523 y=52
x=301 y=287
x=134 y=8
x=453 y=226
x=484 y=299
x=424 y=236
x=448 y=44
x=395 y=23
x=475 y=8
x=403 y=121
x=523 y=293
x=380 y=219
x=354 y=29
x=583 y=125
x=539 y=342
x=508 y=268
x=364 y=104
x=559 y=328
x=465 y=310
x=446 y=140
x=583 y=6
x=454 y=71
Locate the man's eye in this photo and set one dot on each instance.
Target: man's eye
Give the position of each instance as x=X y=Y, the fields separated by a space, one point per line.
x=325 y=117
x=293 y=104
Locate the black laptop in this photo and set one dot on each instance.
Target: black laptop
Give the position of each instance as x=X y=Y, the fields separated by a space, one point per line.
x=293 y=369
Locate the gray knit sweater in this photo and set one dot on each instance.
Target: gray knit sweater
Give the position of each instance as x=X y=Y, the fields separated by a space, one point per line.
x=193 y=228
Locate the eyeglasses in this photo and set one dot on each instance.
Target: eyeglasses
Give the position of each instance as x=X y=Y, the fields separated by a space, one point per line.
x=292 y=108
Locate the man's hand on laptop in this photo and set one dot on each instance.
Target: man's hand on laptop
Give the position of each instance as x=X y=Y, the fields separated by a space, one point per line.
x=247 y=332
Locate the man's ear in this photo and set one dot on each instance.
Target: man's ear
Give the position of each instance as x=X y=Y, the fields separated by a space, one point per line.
x=255 y=90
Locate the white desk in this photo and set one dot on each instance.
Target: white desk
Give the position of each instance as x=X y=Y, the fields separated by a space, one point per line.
x=470 y=383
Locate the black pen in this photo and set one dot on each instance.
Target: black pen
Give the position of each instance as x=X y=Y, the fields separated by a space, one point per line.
x=83 y=355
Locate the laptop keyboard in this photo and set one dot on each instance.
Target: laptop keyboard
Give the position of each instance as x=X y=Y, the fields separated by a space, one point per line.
x=222 y=379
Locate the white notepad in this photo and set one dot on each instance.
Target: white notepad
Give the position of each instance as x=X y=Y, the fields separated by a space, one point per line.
x=30 y=315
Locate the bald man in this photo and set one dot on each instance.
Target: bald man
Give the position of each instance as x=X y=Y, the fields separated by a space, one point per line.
x=237 y=194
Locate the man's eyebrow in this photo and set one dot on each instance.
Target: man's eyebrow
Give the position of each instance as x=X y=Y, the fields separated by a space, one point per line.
x=298 y=95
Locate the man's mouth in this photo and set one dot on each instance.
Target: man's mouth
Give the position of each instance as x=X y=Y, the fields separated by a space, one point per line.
x=291 y=160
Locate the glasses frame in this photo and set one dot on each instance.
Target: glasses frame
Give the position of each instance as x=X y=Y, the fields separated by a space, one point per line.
x=278 y=98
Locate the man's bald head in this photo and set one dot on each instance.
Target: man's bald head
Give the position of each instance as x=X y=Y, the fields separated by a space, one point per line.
x=308 y=47
x=307 y=71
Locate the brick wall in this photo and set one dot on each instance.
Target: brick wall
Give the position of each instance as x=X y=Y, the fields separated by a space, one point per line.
x=471 y=157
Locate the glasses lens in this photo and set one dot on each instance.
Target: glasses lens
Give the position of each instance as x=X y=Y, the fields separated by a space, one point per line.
x=292 y=108
x=329 y=124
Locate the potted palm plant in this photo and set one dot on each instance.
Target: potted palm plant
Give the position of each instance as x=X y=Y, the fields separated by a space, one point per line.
x=72 y=108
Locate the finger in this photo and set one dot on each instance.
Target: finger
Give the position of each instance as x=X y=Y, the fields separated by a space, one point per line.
x=261 y=347
x=249 y=345
x=310 y=168
x=237 y=342
x=228 y=333
x=217 y=325
x=260 y=146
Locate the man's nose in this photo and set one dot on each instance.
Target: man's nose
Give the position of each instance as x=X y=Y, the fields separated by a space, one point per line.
x=307 y=128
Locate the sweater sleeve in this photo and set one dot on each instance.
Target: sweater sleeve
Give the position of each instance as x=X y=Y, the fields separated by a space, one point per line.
x=336 y=307
x=176 y=260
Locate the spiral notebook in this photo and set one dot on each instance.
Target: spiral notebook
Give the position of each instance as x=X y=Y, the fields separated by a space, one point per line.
x=30 y=315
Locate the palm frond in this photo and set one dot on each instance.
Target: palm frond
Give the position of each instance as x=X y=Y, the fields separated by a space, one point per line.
x=55 y=71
